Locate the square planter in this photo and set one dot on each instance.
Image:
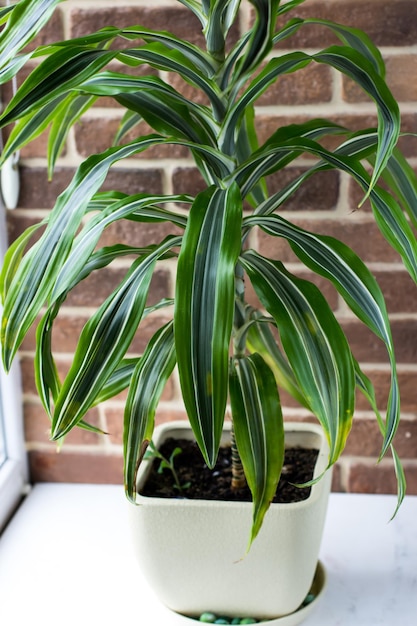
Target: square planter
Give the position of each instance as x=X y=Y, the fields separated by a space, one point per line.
x=193 y=552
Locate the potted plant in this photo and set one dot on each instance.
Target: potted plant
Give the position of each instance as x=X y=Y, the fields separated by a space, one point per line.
x=226 y=351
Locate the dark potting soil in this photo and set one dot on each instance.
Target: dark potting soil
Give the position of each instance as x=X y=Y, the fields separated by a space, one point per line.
x=205 y=484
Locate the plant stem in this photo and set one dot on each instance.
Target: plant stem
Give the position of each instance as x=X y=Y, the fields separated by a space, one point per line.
x=238 y=475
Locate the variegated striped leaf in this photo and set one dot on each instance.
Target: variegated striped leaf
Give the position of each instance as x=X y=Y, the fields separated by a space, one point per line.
x=103 y=344
x=402 y=180
x=118 y=381
x=23 y=24
x=260 y=42
x=56 y=75
x=164 y=59
x=30 y=127
x=43 y=262
x=335 y=261
x=66 y=115
x=314 y=343
x=366 y=387
x=259 y=431
x=141 y=205
x=388 y=214
x=204 y=306
x=362 y=71
x=146 y=386
x=261 y=339
x=13 y=256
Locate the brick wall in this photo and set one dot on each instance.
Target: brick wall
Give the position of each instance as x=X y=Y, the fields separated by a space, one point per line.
x=327 y=204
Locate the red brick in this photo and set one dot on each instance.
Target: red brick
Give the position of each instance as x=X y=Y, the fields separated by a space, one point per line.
x=361 y=235
x=187 y=180
x=134 y=181
x=318 y=193
x=37 y=192
x=99 y=285
x=96 y=135
x=381 y=381
x=75 y=467
x=310 y=85
x=68 y=327
x=379 y=478
x=17 y=223
x=387 y=23
x=139 y=234
x=399 y=69
x=367 y=348
x=114 y=418
x=37 y=427
x=182 y=22
x=399 y=290
x=365 y=439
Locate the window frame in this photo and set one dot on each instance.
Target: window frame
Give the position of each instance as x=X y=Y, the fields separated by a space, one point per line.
x=14 y=470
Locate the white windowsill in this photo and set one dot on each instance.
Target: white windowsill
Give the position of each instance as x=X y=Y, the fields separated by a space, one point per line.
x=65 y=559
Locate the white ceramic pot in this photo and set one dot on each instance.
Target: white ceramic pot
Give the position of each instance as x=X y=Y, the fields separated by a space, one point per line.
x=193 y=552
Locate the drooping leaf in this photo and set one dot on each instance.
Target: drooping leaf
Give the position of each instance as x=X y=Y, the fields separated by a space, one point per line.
x=42 y=263
x=146 y=386
x=259 y=431
x=362 y=71
x=261 y=339
x=314 y=343
x=25 y=19
x=335 y=261
x=103 y=343
x=204 y=304
x=66 y=115
x=139 y=206
x=55 y=76
x=366 y=387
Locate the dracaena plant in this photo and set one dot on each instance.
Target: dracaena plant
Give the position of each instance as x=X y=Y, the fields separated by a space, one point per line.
x=294 y=341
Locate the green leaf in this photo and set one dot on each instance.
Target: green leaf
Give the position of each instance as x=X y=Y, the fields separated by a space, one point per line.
x=129 y=121
x=193 y=67
x=402 y=180
x=362 y=71
x=261 y=339
x=12 y=67
x=388 y=214
x=64 y=118
x=146 y=387
x=47 y=380
x=366 y=387
x=140 y=206
x=260 y=42
x=204 y=307
x=259 y=431
x=23 y=24
x=314 y=343
x=29 y=127
x=54 y=77
x=13 y=257
x=335 y=261
x=103 y=343
x=118 y=381
x=274 y=68
x=43 y=262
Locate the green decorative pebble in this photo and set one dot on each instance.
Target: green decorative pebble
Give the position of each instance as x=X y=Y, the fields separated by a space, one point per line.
x=208 y=618
x=248 y=620
x=222 y=620
x=235 y=620
x=309 y=598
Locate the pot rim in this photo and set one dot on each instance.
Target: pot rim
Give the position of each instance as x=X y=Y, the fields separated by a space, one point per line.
x=321 y=469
